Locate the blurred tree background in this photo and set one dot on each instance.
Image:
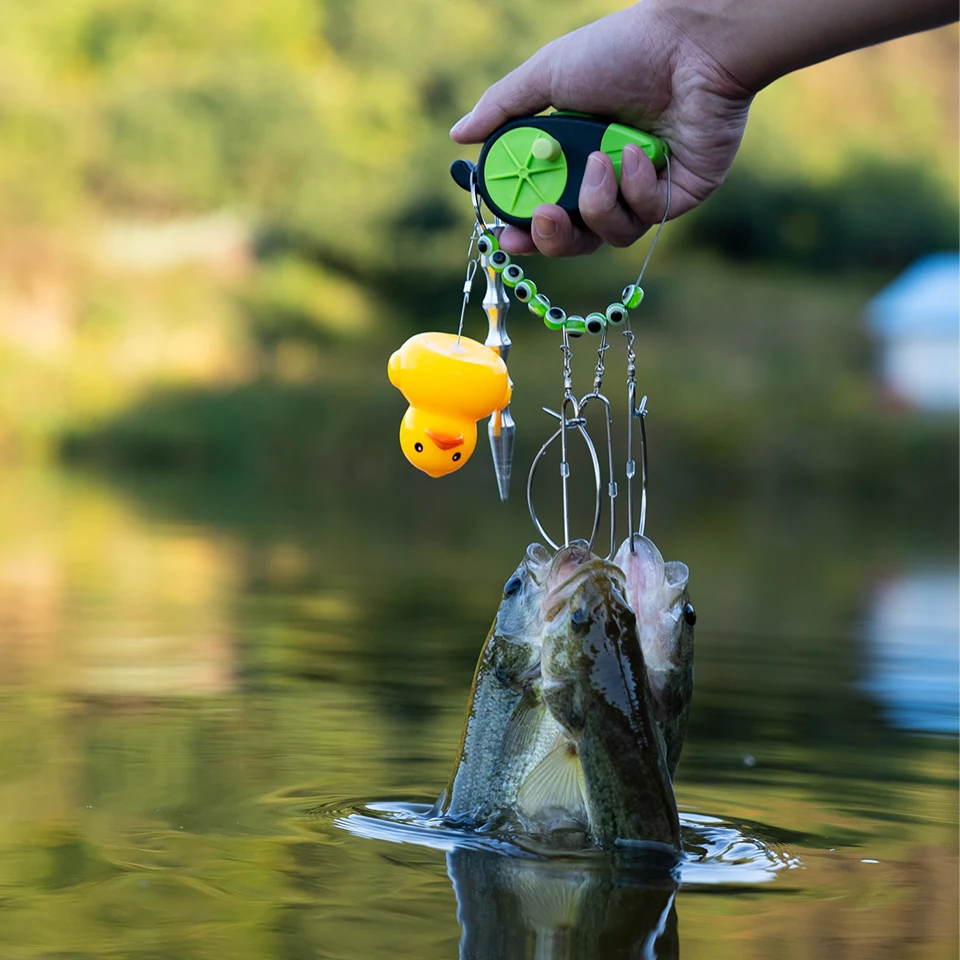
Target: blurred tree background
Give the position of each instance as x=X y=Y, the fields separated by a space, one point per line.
x=218 y=221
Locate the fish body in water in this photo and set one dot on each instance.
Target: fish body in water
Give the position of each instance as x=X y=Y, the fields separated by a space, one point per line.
x=595 y=685
x=657 y=593
x=507 y=729
x=580 y=701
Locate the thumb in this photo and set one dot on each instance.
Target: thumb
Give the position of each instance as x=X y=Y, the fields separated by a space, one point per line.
x=524 y=91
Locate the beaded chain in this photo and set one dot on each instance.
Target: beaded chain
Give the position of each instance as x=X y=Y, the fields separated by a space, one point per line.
x=525 y=290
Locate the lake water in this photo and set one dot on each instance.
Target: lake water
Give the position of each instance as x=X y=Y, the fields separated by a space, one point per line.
x=218 y=705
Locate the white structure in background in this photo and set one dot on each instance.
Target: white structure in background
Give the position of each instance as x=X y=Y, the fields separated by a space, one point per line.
x=913 y=656
x=917 y=320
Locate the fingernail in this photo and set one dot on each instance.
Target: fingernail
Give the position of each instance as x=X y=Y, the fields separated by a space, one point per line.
x=544 y=227
x=630 y=161
x=595 y=172
x=462 y=122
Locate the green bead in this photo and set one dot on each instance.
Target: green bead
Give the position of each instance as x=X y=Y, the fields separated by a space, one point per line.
x=539 y=305
x=557 y=316
x=551 y=323
x=576 y=327
x=487 y=243
x=632 y=296
x=525 y=291
x=616 y=314
x=499 y=260
x=513 y=274
x=595 y=323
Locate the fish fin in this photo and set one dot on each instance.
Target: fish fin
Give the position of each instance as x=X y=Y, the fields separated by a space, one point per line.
x=523 y=722
x=555 y=783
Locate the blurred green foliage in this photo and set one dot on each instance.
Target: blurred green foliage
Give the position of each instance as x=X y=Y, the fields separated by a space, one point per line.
x=878 y=215
x=327 y=119
x=743 y=393
x=320 y=127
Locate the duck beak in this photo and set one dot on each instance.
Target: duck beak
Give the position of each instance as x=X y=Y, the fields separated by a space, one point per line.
x=444 y=441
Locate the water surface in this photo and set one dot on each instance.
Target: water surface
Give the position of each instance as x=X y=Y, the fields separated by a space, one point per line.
x=214 y=701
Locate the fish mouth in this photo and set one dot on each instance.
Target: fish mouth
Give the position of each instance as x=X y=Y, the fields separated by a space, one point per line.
x=444 y=440
x=570 y=569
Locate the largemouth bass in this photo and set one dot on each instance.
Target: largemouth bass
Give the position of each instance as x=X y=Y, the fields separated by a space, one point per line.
x=657 y=593
x=610 y=763
x=580 y=701
x=507 y=730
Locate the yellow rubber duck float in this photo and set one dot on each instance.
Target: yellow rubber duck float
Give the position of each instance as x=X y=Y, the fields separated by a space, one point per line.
x=450 y=385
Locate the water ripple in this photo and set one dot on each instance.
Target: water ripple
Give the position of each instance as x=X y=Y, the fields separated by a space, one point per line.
x=716 y=852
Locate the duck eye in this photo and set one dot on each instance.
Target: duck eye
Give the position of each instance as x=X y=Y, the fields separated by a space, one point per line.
x=456 y=457
x=689 y=614
x=418 y=447
x=513 y=587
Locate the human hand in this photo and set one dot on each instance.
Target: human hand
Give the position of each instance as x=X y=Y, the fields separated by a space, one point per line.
x=639 y=66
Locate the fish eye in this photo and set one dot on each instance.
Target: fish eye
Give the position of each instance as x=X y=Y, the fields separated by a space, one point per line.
x=513 y=587
x=456 y=457
x=689 y=614
x=580 y=619
x=418 y=446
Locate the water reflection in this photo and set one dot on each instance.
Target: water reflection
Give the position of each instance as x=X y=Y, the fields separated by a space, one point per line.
x=514 y=903
x=514 y=909
x=913 y=666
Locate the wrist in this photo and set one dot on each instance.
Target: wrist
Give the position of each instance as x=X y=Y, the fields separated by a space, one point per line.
x=751 y=43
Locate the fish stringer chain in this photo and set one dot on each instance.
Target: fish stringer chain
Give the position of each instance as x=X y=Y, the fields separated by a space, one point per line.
x=596 y=394
x=577 y=422
x=473 y=263
x=450 y=383
x=637 y=411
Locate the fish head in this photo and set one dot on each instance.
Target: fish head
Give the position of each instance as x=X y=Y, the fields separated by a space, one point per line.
x=588 y=630
x=521 y=603
x=657 y=592
x=435 y=443
x=518 y=625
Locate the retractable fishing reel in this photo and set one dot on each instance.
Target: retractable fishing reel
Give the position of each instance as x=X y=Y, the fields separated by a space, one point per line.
x=451 y=381
x=537 y=160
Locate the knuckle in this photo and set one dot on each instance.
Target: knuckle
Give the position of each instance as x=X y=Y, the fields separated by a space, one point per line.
x=598 y=205
x=622 y=240
x=552 y=247
x=645 y=207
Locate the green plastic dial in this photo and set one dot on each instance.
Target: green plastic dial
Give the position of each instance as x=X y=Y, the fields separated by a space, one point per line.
x=516 y=180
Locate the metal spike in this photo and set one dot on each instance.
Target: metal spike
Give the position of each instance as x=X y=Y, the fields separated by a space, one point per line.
x=501 y=446
x=501 y=429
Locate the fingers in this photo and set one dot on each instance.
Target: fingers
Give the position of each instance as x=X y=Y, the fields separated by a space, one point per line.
x=600 y=205
x=517 y=242
x=523 y=92
x=554 y=234
x=551 y=233
x=645 y=194
x=614 y=214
